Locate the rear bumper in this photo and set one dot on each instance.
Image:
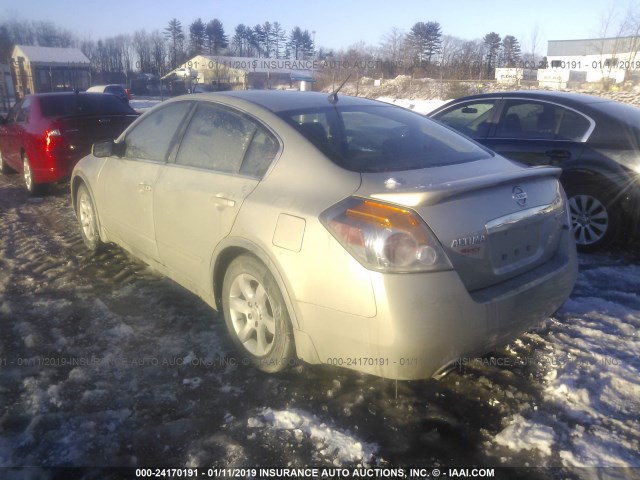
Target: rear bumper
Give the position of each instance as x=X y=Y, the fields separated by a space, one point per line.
x=51 y=169
x=426 y=321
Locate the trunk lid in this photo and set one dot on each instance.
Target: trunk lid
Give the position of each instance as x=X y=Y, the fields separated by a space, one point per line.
x=80 y=132
x=495 y=219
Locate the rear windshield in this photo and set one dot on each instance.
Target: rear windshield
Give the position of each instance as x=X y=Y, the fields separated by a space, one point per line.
x=380 y=138
x=83 y=104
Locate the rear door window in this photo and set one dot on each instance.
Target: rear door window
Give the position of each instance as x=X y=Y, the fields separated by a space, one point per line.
x=222 y=140
x=530 y=119
x=216 y=139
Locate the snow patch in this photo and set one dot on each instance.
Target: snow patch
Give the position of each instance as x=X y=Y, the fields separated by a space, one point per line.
x=522 y=434
x=327 y=440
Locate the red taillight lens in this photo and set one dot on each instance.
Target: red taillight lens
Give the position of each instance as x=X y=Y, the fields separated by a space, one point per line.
x=385 y=237
x=52 y=139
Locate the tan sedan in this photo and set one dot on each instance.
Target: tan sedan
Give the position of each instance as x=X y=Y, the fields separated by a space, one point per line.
x=335 y=230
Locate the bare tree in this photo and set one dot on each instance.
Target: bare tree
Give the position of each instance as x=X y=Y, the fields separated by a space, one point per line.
x=392 y=50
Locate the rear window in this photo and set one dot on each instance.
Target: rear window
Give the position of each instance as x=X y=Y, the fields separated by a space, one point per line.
x=382 y=138
x=83 y=104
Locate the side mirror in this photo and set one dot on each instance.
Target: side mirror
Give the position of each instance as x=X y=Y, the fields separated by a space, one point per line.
x=469 y=110
x=102 y=149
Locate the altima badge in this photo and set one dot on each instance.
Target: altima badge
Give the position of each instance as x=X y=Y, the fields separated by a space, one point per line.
x=471 y=245
x=519 y=195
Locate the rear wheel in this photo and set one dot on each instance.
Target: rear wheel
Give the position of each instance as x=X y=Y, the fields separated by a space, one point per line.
x=87 y=219
x=256 y=315
x=27 y=173
x=595 y=218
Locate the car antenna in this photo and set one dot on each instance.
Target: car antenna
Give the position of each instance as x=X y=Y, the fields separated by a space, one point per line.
x=333 y=96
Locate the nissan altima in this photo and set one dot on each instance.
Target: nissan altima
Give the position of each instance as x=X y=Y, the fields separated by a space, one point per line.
x=333 y=229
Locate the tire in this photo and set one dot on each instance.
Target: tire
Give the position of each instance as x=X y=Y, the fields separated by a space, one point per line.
x=88 y=219
x=595 y=216
x=256 y=315
x=32 y=187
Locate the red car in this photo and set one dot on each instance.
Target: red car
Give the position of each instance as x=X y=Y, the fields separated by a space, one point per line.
x=44 y=135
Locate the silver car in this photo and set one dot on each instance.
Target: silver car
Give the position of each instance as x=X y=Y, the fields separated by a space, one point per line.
x=333 y=229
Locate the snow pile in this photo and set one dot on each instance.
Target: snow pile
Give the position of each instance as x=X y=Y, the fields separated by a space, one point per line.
x=590 y=411
x=327 y=440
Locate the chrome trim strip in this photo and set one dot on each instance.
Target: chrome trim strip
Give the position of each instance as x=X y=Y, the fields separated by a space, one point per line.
x=530 y=214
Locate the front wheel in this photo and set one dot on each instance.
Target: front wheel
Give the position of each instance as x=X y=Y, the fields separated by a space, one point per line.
x=595 y=217
x=256 y=315
x=87 y=219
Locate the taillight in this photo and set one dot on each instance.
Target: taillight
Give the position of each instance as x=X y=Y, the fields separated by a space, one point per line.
x=52 y=139
x=385 y=237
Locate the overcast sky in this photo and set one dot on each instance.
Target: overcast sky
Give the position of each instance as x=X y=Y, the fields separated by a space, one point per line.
x=337 y=23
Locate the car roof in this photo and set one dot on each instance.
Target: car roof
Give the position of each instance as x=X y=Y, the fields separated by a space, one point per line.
x=283 y=100
x=62 y=94
x=569 y=99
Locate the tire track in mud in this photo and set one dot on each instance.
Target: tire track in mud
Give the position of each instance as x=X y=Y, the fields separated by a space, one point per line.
x=61 y=307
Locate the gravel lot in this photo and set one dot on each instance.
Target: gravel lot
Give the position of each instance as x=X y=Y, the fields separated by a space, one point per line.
x=105 y=363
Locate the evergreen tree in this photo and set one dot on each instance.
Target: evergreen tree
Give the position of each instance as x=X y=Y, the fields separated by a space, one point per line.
x=175 y=36
x=197 y=37
x=278 y=40
x=511 y=53
x=300 y=44
x=215 y=38
x=426 y=40
x=493 y=44
x=240 y=40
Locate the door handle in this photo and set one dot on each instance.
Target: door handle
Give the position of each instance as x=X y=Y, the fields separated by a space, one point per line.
x=222 y=200
x=558 y=155
x=144 y=187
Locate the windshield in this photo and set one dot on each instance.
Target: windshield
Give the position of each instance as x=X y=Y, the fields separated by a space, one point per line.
x=83 y=104
x=382 y=138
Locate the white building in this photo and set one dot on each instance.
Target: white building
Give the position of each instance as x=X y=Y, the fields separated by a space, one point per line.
x=590 y=60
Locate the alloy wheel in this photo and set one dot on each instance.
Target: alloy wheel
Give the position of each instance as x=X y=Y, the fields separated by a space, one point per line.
x=28 y=177
x=252 y=315
x=87 y=215
x=589 y=219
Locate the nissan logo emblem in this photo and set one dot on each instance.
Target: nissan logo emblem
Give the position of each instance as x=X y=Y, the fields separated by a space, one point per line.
x=519 y=195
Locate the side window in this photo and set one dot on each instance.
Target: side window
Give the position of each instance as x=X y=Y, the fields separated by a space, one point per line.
x=573 y=126
x=471 y=118
x=151 y=138
x=23 y=113
x=542 y=121
x=216 y=139
x=262 y=150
